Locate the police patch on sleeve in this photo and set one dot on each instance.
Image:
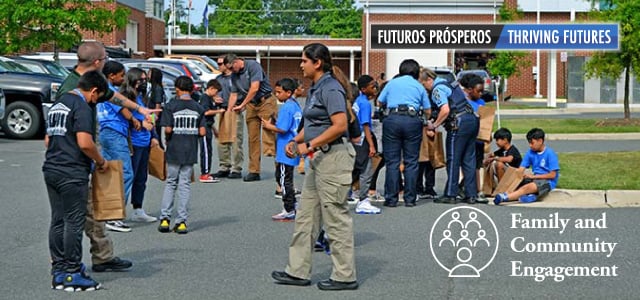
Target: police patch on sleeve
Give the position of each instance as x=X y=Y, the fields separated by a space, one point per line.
x=436 y=95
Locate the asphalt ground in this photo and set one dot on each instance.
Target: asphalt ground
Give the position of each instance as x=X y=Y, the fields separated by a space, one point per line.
x=233 y=246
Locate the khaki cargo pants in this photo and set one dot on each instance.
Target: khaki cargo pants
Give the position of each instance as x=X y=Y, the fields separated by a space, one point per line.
x=101 y=244
x=255 y=113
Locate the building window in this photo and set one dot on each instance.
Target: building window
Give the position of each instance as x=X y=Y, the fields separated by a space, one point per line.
x=157 y=8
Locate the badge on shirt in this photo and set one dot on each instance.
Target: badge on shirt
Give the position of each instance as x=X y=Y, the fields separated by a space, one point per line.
x=436 y=95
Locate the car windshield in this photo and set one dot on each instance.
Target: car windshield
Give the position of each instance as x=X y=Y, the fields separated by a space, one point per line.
x=200 y=65
x=57 y=69
x=211 y=61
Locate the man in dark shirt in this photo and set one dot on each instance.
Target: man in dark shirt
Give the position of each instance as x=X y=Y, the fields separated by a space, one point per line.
x=251 y=91
x=68 y=162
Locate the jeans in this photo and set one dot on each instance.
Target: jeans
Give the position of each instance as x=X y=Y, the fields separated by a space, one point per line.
x=116 y=147
x=178 y=178
x=140 y=164
x=401 y=138
x=68 y=200
x=461 y=152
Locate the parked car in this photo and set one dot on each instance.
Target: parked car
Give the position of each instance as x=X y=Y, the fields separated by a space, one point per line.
x=211 y=64
x=42 y=66
x=3 y=103
x=66 y=59
x=169 y=74
x=196 y=66
x=28 y=98
x=489 y=85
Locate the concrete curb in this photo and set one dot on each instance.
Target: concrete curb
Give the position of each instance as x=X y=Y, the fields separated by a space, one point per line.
x=561 y=198
x=585 y=136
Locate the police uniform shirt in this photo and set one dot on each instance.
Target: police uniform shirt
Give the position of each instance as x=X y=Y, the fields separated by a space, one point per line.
x=225 y=92
x=242 y=80
x=440 y=93
x=404 y=90
x=326 y=98
x=69 y=115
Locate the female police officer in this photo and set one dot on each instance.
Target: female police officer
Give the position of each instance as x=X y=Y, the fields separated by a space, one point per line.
x=323 y=140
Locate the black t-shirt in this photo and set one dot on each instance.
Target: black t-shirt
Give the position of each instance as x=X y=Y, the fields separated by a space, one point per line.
x=157 y=96
x=513 y=151
x=186 y=118
x=226 y=83
x=207 y=103
x=69 y=115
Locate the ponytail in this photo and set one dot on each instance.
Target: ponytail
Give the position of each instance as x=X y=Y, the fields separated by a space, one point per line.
x=337 y=73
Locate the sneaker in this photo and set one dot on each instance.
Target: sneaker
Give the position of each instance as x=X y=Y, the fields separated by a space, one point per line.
x=528 y=198
x=118 y=226
x=234 y=175
x=375 y=197
x=181 y=228
x=208 y=178
x=364 y=207
x=482 y=199
x=502 y=197
x=116 y=264
x=278 y=195
x=80 y=281
x=164 y=225
x=446 y=200
x=57 y=280
x=222 y=174
x=140 y=216
x=284 y=216
x=251 y=177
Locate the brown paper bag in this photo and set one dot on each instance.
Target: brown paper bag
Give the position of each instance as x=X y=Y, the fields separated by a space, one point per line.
x=424 y=148
x=436 y=153
x=108 y=193
x=375 y=161
x=227 y=132
x=487 y=114
x=510 y=181
x=488 y=183
x=157 y=164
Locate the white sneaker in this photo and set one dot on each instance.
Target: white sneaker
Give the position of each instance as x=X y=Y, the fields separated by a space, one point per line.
x=140 y=216
x=375 y=197
x=118 y=226
x=364 y=207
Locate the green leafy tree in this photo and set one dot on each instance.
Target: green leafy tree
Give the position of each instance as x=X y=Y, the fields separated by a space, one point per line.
x=292 y=16
x=338 y=19
x=627 y=60
x=26 y=25
x=507 y=63
x=239 y=17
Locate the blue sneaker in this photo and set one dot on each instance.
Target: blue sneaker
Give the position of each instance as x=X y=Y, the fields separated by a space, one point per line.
x=502 y=197
x=80 y=281
x=57 y=280
x=528 y=198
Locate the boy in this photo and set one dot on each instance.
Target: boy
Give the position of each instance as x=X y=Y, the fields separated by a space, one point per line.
x=367 y=148
x=286 y=129
x=506 y=156
x=70 y=155
x=183 y=124
x=546 y=170
x=209 y=102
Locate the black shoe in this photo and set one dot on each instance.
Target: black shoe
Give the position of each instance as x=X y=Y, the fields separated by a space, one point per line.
x=222 y=174
x=446 y=200
x=482 y=200
x=282 y=277
x=388 y=204
x=470 y=200
x=115 y=264
x=332 y=285
x=234 y=175
x=252 y=177
x=410 y=204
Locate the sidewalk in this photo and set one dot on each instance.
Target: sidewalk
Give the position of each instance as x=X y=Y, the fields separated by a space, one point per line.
x=561 y=198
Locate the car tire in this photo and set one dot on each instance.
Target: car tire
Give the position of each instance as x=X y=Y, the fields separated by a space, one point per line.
x=21 y=120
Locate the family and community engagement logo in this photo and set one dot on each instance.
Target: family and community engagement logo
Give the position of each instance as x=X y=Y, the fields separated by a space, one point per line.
x=464 y=241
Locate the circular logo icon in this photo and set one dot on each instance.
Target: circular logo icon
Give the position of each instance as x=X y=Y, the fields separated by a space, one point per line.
x=464 y=241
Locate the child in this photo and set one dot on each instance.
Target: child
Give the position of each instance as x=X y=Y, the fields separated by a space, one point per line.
x=70 y=155
x=546 y=170
x=183 y=123
x=211 y=108
x=299 y=92
x=506 y=156
x=366 y=148
x=286 y=129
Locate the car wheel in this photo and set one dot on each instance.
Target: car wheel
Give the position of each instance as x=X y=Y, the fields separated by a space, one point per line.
x=22 y=120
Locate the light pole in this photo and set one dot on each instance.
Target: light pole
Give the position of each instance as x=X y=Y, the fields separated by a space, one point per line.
x=538 y=73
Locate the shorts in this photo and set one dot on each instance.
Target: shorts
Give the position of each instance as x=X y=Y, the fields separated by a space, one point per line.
x=542 y=185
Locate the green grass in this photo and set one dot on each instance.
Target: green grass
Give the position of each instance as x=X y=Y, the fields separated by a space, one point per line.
x=565 y=126
x=508 y=105
x=599 y=171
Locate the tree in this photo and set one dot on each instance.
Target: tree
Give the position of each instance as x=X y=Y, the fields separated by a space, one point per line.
x=339 y=19
x=28 y=24
x=292 y=16
x=613 y=64
x=239 y=17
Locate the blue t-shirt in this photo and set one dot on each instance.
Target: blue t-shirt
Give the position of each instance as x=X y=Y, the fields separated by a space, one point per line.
x=543 y=163
x=362 y=108
x=289 y=118
x=109 y=116
x=142 y=137
x=404 y=90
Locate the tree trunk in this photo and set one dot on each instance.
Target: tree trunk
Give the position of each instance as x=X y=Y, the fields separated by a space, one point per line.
x=627 y=112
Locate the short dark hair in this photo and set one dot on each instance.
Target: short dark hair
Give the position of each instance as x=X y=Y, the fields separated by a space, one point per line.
x=364 y=80
x=184 y=83
x=535 y=133
x=410 y=67
x=214 y=84
x=503 y=134
x=287 y=84
x=112 y=67
x=92 y=79
x=470 y=80
x=229 y=58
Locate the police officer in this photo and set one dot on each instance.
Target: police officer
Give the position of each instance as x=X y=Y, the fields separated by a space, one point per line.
x=323 y=140
x=451 y=110
x=402 y=130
